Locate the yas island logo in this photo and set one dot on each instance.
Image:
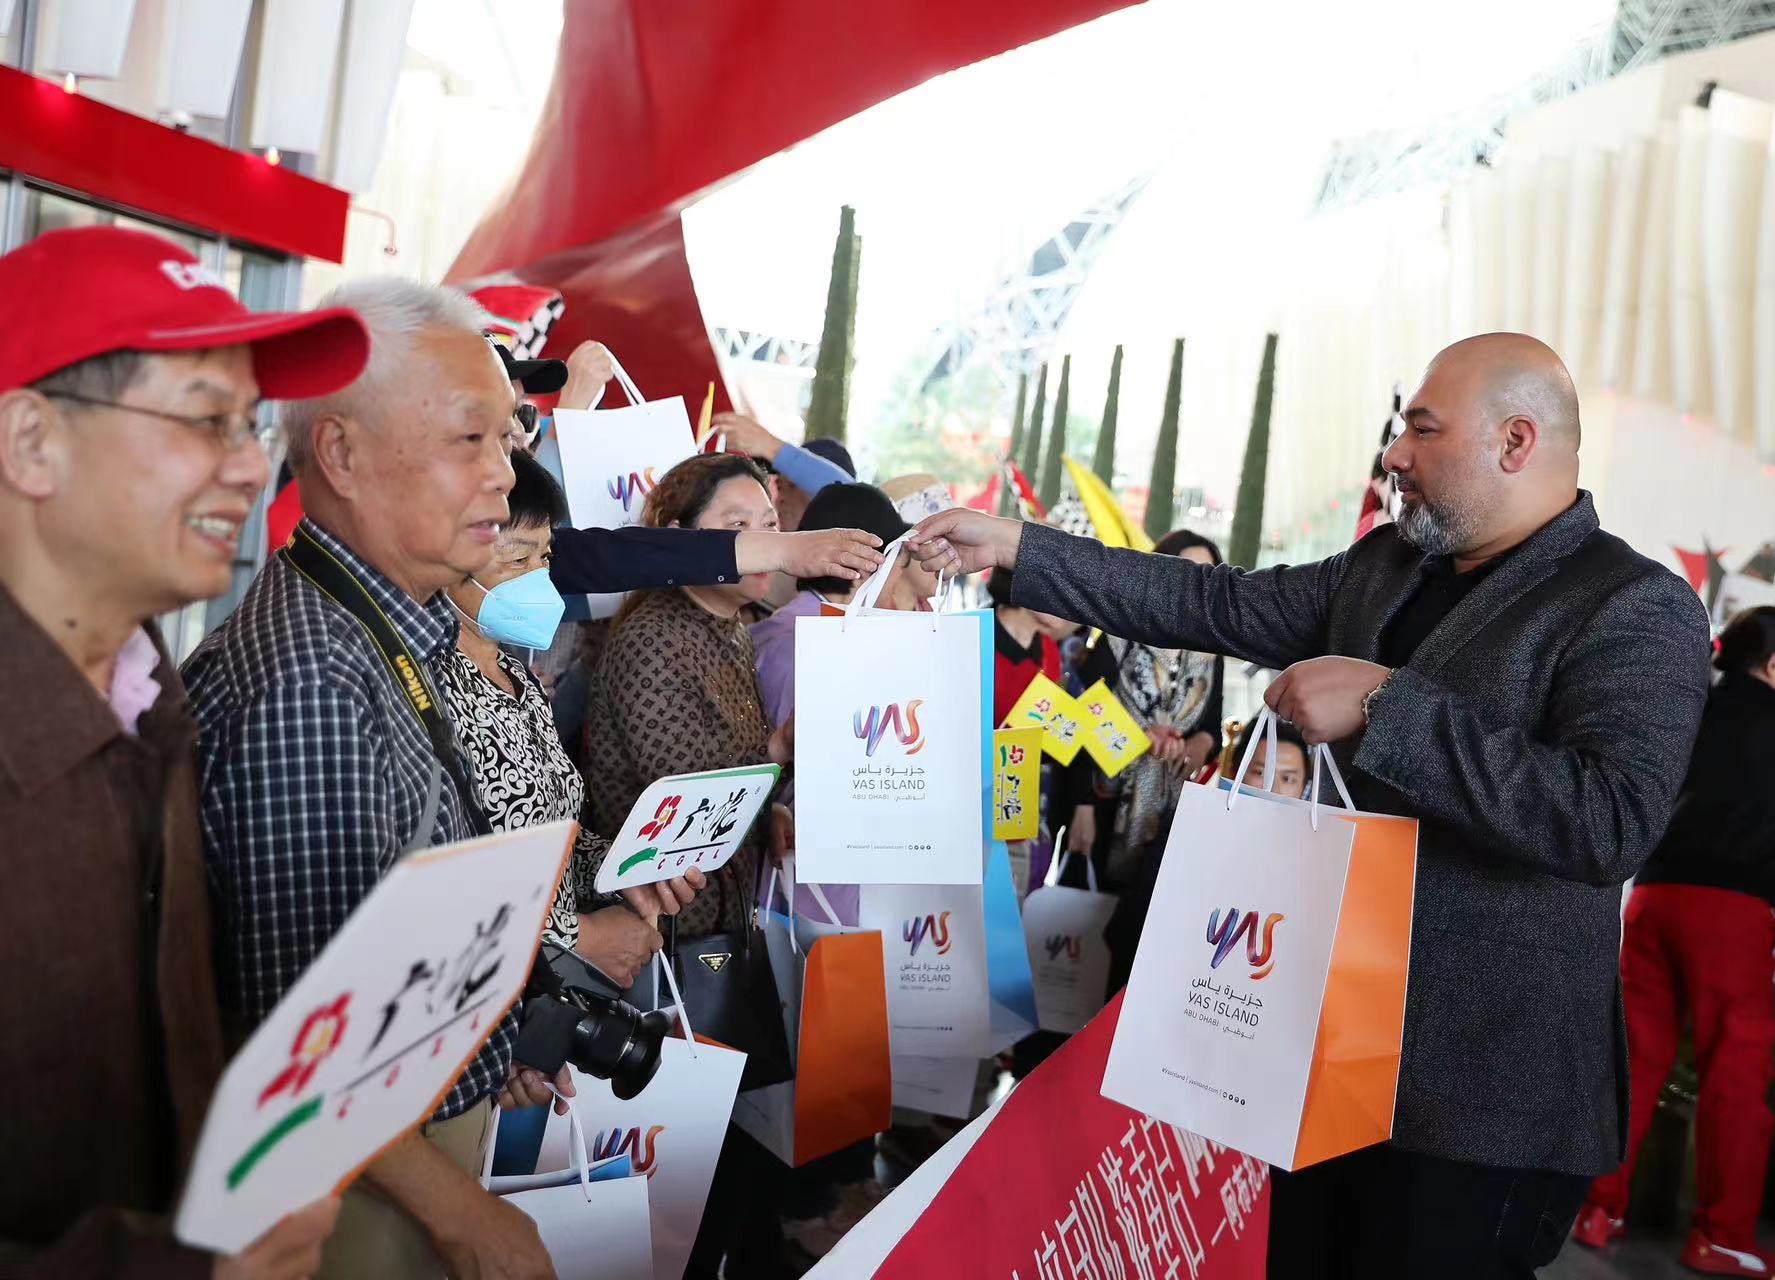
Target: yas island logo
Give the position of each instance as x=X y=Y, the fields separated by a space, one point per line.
x=1224 y=935
x=1062 y=944
x=874 y=726
x=630 y=1142
x=637 y=484
x=933 y=929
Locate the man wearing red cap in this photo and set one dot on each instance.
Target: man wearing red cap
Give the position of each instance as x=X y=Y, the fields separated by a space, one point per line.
x=128 y=464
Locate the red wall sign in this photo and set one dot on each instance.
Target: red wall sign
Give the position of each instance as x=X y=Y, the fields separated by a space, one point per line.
x=72 y=141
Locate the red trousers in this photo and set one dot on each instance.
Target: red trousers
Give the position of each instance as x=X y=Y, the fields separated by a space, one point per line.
x=1706 y=954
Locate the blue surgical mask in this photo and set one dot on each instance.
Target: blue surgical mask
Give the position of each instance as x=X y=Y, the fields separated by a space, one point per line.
x=524 y=610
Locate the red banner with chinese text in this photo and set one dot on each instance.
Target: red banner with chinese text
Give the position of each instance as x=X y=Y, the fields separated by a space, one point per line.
x=1065 y=1184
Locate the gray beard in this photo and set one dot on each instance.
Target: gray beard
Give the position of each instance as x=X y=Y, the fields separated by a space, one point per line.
x=1434 y=531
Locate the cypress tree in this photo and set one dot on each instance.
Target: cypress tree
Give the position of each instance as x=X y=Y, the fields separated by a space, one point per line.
x=1247 y=532
x=1104 y=464
x=1018 y=412
x=1162 y=491
x=830 y=401
x=1050 y=489
x=1032 y=440
x=1007 y=496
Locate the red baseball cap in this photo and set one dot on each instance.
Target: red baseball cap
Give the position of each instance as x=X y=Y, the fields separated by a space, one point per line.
x=85 y=291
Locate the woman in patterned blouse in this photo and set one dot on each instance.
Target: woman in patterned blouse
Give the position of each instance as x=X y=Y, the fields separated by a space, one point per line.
x=522 y=776
x=676 y=690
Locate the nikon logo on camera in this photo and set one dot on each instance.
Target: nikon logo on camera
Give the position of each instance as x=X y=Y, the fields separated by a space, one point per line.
x=717 y=961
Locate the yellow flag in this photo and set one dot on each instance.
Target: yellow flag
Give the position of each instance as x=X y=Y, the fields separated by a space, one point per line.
x=705 y=418
x=1056 y=712
x=1112 y=735
x=1114 y=529
x=1016 y=783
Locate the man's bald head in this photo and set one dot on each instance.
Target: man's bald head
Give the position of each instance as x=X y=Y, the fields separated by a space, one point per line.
x=1490 y=446
x=1518 y=375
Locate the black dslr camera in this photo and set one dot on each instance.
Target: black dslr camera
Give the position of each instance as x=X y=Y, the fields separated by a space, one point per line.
x=573 y=1013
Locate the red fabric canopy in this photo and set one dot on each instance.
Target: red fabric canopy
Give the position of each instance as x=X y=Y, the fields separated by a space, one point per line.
x=654 y=101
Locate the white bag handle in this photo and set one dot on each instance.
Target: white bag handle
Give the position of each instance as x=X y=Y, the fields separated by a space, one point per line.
x=1266 y=720
x=1061 y=851
x=677 y=999
x=870 y=591
x=1322 y=752
x=818 y=894
x=624 y=381
x=576 y=1141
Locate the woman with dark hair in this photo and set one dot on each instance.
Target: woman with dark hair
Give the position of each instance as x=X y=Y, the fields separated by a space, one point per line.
x=1175 y=694
x=1697 y=947
x=522 y=775
x=676 y=690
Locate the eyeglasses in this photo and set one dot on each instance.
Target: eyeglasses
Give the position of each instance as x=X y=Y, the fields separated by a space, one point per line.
x=233 y=430
x=526 y=415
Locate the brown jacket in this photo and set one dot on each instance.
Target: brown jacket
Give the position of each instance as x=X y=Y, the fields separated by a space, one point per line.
x=112 y=1044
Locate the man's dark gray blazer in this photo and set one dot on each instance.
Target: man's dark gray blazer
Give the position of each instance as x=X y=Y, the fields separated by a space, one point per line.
x=1539 y=735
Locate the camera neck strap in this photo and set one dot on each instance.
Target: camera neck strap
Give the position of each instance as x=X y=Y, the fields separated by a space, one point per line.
x=329 y=576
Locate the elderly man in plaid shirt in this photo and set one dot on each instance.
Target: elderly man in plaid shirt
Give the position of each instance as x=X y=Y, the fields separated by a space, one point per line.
x=319 y=768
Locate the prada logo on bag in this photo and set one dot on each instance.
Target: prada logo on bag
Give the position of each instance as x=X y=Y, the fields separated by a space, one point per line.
x=717 y=961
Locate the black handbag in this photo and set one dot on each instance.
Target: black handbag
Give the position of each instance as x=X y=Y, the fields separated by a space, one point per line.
x=731 y=995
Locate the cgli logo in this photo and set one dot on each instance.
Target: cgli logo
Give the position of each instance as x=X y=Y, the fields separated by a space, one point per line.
x=630 y=1142
x=874 y=727
x=1063 y=944
x=1225 y=934
x=935 y=928
x=637 y=484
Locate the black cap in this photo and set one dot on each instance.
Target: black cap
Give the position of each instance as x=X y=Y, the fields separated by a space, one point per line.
x=540 y=377
x=832 y=451
x=854 y=506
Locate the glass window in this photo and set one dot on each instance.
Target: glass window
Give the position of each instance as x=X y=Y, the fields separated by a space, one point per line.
x=47 y=211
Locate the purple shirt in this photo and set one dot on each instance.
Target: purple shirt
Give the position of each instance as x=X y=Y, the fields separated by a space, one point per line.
x=774 y=641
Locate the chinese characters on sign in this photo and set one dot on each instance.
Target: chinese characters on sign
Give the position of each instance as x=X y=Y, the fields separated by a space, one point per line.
x=1056 y=712
x=1016 y=783
x=689 y=820
x=1064 y=1184
x=374 y=1033
x=1111 y=734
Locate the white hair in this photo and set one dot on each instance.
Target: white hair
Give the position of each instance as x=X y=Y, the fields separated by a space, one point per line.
x=396 y=311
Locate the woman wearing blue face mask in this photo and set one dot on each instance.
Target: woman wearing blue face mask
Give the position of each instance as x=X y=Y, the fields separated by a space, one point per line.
x=522 y=776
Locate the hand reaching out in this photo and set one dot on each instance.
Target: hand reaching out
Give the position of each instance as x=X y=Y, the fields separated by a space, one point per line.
x=850 y=554
x=960 y=541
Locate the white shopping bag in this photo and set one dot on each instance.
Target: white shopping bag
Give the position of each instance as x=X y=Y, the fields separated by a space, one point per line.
x=612 y=458
x=1267 y=995
x=940 y=1086
x=934 y=952
x=672 y=1132
x=1068 y=958
x=890 y=748
x=594 y=1227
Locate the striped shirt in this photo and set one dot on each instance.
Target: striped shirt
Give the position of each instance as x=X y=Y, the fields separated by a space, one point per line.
x=314 y=774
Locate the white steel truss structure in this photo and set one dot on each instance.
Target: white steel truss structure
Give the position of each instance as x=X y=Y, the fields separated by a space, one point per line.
x=1643 y=31
x=1014 y=327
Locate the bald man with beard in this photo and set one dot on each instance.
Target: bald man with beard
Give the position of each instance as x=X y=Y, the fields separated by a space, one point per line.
x=1528 y=688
